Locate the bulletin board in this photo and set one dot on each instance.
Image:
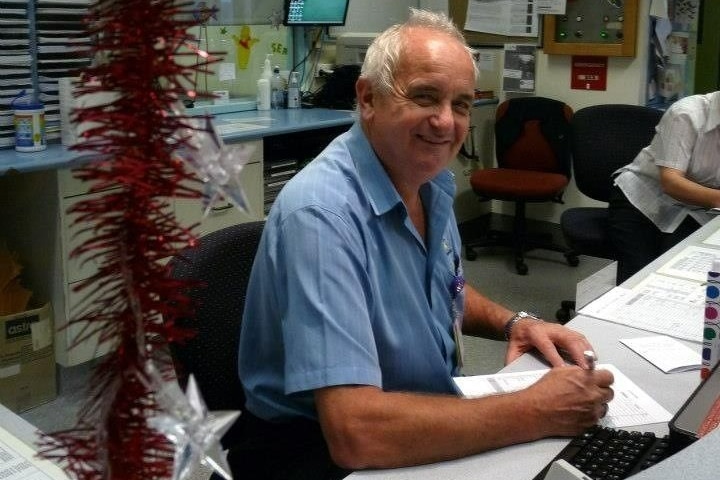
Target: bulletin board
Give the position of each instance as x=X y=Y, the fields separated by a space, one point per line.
x=458 y=12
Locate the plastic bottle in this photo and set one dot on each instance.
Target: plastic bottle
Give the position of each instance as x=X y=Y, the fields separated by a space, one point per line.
x=293 y=99
x=29 y=120
x=263 y=86
x=277 y=90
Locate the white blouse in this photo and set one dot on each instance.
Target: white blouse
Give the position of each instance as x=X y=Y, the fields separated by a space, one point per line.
x=687 y=139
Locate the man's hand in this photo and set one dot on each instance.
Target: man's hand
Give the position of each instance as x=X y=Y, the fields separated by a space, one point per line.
x=570 y=399
x=548 y=338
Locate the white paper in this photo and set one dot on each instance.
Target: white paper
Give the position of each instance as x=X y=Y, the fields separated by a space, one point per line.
x=666 y=353
x=486 y=61
x=659 y=8
x=226 y=71
x=660 y=304
x=630 y=405
x=693 y=262
x=18 y=461
x=551 y=7
x=713 y=239
x=502 y=17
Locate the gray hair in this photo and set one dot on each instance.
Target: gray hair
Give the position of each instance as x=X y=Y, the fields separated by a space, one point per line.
x=384 y=53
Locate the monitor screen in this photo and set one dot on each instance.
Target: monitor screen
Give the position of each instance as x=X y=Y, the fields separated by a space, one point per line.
x=315 y=12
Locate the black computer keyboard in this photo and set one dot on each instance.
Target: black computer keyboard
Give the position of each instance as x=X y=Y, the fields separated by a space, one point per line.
x=612 y=454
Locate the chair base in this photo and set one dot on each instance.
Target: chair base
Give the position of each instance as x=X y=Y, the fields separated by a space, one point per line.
x=566 y=311
x=497 y=230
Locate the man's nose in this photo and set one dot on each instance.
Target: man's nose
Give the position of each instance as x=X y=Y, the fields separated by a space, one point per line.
x=442 y=117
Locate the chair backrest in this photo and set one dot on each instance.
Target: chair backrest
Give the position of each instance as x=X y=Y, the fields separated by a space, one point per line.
x=605 y=138
x=221 y=265
x=533 y=133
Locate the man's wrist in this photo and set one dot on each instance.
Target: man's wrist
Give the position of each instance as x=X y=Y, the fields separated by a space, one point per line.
x=516 y=318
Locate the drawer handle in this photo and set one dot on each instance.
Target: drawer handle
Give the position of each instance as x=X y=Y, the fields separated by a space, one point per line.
x=222 y=208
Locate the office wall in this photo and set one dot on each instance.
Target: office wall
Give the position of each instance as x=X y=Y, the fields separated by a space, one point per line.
x=625 y=84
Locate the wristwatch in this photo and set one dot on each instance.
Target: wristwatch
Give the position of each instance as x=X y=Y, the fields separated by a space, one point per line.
x=515 y=318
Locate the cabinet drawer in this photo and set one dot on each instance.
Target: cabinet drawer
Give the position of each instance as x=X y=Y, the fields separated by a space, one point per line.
x=68 y=354
x=225 y=213
x=74 y=236
x=69 y=186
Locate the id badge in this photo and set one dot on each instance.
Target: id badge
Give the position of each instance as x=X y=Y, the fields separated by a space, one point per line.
x=458 y=299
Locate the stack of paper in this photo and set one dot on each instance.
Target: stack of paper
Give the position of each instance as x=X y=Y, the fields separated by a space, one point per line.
x=63 y=51
x=15 y=61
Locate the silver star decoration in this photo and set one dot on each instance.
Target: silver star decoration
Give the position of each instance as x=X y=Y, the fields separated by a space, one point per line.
x=195 y=432
x=276 y=19
x=218 y=165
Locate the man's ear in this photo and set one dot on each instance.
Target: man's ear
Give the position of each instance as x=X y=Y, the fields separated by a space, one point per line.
x=365 y=97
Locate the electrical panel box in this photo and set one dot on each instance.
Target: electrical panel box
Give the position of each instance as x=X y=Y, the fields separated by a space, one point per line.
x=593 y=27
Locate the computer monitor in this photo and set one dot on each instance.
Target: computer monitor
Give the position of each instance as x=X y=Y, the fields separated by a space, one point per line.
x=315 y=12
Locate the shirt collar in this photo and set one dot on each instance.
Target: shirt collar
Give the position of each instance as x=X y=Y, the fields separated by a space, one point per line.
x=377 y=184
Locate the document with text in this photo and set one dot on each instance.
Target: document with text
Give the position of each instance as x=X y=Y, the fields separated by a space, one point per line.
x=19 y=462
x=661 y=304
x=630 y=406
x=692 y=263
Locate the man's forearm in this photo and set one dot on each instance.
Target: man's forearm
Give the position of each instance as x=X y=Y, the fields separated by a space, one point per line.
x=483 y=317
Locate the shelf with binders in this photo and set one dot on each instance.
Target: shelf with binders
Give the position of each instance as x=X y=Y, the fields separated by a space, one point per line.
x=15 y=64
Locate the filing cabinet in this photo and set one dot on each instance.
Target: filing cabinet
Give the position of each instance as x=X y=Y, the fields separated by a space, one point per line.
x=69 y=303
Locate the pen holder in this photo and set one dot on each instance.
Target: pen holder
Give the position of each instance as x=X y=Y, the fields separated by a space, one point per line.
x=711 y=327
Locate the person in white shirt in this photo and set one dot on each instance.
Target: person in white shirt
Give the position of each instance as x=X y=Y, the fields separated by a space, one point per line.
x=664 y=194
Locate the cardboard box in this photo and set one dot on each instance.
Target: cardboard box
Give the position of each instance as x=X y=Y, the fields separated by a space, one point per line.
x=27 y=359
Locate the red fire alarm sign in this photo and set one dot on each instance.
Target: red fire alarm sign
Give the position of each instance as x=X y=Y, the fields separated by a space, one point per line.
x=589 y=73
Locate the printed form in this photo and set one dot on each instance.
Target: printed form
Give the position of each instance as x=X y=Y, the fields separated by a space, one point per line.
x=630 y=406
x=692 y=263
x=19 y=462
x=661 y=304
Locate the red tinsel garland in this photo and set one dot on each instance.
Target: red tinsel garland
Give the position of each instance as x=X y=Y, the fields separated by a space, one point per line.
x=131 y=301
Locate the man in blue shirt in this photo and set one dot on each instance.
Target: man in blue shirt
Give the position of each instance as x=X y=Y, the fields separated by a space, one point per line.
x=357 y=302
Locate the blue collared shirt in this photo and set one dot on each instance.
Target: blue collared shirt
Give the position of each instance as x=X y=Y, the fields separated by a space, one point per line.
x=344 y=291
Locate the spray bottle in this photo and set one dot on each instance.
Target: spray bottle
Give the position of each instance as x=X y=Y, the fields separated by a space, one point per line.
x=263 y=86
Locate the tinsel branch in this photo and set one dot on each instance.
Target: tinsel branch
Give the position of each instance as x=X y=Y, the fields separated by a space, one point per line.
x=133 y=169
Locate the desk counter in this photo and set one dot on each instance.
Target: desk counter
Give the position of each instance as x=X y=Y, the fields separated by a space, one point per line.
x=256 y=125
x=523 y=462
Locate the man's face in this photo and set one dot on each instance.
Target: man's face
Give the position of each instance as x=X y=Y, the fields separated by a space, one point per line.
x=419 y=127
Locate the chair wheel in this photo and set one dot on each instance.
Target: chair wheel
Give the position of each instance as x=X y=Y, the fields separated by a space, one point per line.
x=470 y=254
x=521 y=268
x=572 y=259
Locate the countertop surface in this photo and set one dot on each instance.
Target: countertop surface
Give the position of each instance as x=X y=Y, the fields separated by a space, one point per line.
x=234 y=127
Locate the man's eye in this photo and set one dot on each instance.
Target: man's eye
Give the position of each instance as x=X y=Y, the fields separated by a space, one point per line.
x=424 y=99
x=462 y=107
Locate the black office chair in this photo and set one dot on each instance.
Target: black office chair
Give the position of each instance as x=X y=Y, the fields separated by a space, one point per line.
x=604 y=138
x=221 y=264
x=532 y=147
